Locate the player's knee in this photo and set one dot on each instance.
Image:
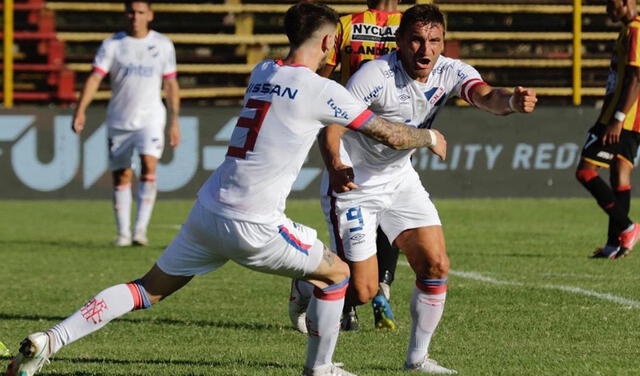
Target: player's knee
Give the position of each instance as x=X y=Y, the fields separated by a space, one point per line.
x=437 y=267
x=364 y=292
x=340 y=271
x=584 y=175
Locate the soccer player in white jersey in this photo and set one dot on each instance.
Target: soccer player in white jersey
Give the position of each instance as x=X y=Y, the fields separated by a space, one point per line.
x=139 y=62
x=239 y=213
x=374 y=185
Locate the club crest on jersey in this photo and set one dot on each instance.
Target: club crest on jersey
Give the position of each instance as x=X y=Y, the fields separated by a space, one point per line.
x=434 y=94
x=373 y=33
x=338 y=112
x=153 y=51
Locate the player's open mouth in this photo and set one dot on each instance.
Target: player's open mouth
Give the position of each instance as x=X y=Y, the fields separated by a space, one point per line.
x=423 y=63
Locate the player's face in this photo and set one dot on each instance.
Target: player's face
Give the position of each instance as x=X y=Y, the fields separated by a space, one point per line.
x=419 y=48
x=139 y=15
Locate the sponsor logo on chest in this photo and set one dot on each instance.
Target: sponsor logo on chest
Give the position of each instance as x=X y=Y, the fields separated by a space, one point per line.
x=372 y=33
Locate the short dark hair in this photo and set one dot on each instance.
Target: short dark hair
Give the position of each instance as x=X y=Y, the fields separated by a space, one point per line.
x=127 y=3
x=424 y=14
x=304 y=19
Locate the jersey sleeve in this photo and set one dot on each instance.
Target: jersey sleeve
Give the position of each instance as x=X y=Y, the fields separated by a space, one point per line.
x=338 y=106
x=634 y=47
x=366 y=84
x=169 y=68
x=466 y=80
x=104 y=58
x=334 y=53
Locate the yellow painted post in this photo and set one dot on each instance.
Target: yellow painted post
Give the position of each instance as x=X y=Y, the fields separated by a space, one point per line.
x=8 y=53
x=577 y=52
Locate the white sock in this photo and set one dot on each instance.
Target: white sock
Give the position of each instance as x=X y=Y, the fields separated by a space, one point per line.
x=426 y=311
x=323 y=322
x=122 y=208
x=109 y=304
x=146 y=197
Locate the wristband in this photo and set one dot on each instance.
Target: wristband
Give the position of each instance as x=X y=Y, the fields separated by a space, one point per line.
x=434 y=140
x=619 y=116
x=512 y=106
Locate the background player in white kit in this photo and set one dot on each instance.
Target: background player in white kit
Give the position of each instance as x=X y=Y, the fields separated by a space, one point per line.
x=409 y=85
x=139 y=62
x=239 y=214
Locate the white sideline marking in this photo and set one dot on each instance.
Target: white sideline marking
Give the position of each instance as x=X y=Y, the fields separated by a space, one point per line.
x=599 y=295
x=571 y=289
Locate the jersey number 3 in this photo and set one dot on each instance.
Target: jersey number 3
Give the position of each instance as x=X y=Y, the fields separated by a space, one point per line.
x=247 y=129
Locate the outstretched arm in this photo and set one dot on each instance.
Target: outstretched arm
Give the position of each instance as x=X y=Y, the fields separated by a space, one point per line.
x=88 y=92
x=400 y=136
x=500 y=101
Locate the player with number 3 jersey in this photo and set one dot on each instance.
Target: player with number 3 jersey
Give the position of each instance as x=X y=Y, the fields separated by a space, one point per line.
x=239 y=214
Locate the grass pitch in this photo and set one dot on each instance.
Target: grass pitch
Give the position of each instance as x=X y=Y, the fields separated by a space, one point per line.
x=523 y=298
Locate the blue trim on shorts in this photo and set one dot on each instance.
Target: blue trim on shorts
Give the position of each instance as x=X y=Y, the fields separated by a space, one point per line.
x=292 y=240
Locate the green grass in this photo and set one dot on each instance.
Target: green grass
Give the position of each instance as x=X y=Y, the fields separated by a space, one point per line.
x=510 y=314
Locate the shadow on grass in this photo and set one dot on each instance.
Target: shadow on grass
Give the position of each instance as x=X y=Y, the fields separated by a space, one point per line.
x=62 y=243
x=179 y=362
x=160 y=321
x=166 y=362
x=71 y=244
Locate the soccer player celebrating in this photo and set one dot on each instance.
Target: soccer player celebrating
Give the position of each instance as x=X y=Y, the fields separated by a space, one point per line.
x=239 y=213
x=361 y=37
x=409 y=85
x=613 y=141
x=138 y=62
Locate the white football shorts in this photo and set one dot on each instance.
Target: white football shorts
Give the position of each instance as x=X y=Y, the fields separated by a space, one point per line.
x=353 y=217
x=207 y=241
x=122 y=144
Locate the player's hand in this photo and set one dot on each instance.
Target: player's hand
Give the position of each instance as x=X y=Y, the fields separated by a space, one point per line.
x=441 y=145
x=341 y=178
x=77 y=124
x=174 y=134
x=612 y=133
x=523 y=100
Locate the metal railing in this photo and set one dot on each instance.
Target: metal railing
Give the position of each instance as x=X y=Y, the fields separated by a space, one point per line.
x=244 y=36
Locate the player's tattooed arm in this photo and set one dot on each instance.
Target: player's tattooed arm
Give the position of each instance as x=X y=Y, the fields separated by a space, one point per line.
x=400 y=136
x=328 y=256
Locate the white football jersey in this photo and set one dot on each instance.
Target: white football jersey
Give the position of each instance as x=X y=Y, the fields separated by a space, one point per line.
x=285 y=107
x=136 y=67
x=384 y=86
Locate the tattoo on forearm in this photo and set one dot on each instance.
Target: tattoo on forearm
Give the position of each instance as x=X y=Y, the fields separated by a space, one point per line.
x=396 y=135
x=328 y=256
